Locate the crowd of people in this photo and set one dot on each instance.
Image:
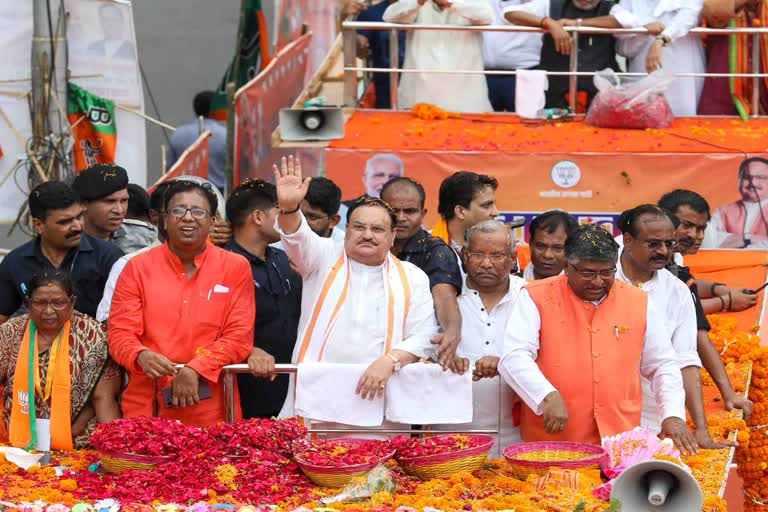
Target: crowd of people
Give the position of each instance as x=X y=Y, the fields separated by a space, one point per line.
x=130 y=303
x=667 y=44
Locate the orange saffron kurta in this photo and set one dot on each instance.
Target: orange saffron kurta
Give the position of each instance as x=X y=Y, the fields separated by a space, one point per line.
x=591 y=355
x=204 y=322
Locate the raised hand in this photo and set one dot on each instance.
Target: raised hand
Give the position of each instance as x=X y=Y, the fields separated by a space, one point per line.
x=291 y=186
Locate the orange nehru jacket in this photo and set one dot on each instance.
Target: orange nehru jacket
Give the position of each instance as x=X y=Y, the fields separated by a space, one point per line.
x=591 y=355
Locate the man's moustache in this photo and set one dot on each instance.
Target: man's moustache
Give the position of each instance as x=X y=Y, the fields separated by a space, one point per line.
x=73 y=235
x=684 y=241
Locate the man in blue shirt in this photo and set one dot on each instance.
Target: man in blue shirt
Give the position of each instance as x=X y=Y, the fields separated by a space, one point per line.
x=186 y=134
x=252 y=210
x=378 y=45
x=57 y=217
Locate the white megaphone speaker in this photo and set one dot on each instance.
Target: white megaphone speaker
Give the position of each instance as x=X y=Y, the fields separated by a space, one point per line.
x=314 y=123
x=657 y=485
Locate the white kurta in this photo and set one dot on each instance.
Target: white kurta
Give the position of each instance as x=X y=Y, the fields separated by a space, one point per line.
x=444 y=50
x=482 y=334
x=672 y=298
x=685 y=54
x=509 y=50
x=359 y=332
x=658 y=362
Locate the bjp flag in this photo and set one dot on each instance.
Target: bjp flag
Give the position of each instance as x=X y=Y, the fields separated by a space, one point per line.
x=93 y=126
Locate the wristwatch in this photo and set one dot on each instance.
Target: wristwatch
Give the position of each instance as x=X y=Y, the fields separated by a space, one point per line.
x=665 y=40
x=395 y=362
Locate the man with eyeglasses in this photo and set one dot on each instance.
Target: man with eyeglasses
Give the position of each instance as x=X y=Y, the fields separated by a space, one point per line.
x=744 y=223
x=692 y=212
x=360 y=304
x=251 y=208
x=576 y=346
x=486 y=300
x=649 y=240
x=415 y=245
x=184 y=302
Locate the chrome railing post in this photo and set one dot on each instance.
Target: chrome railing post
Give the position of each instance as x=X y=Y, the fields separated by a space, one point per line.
x=350 y=60
x=394 y=62
x=755 y=77
x=574 y=64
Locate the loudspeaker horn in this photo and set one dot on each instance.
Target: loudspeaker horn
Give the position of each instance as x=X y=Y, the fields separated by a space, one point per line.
x=657 y=485
x=315 y=123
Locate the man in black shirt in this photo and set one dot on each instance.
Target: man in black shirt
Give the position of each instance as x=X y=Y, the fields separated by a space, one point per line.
x=57 y=217
x=321 y=206
x=415 y=245
x=251 y=208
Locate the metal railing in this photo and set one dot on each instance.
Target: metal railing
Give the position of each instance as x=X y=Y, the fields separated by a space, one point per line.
x=351 y=69
x=228 y=384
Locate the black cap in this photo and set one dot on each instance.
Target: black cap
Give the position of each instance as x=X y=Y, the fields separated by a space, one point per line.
x=100 y=180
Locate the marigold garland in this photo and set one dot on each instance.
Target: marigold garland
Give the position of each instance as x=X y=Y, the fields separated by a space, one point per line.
x=226 y=472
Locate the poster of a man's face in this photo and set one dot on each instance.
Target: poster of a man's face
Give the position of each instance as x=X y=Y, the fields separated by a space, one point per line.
x=102 y=42
x=379 y=169
x=753 y=181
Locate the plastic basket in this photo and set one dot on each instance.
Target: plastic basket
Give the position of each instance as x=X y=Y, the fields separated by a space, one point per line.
x=442 y=465
x=116 y=462
x=540 y=457
x=339 y=476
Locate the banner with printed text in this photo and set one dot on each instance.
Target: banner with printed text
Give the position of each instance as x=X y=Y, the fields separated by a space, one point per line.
x=593 y=187
x=192 y=162
x=257 y=108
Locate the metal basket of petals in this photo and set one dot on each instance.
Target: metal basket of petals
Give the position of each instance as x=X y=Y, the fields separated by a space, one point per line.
x=458 y=453
x=539 y=457
x=335 y=462
x=117 y=462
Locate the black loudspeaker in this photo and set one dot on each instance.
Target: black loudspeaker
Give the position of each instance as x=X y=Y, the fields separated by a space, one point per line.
x=315 y=123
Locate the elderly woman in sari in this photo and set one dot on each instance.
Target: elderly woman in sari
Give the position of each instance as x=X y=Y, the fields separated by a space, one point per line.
x=59 y=381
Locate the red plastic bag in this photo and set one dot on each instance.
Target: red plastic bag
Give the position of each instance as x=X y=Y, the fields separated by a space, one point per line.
x=638 y=104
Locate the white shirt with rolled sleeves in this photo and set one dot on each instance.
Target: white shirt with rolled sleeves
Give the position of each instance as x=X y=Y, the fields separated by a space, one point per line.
x=444 y=50
x=360 y=329
x=482 y=334
x=672 y=298
x=684 y=53
x=658 y=362
x=509 y=50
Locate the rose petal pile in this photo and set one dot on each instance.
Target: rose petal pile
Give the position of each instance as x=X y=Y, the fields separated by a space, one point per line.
x=612 y=109
x=241 y=438
x=340 y=452
x=414 y=447
x=145 y=436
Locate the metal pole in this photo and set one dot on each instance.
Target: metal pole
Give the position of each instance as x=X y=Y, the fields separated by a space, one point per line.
x=49 y=78
x=230 y=163
x=228 y=380
x=396 y=431
x=574 y=64
x=755 y=78
x=394 y=62
x=350 y=60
